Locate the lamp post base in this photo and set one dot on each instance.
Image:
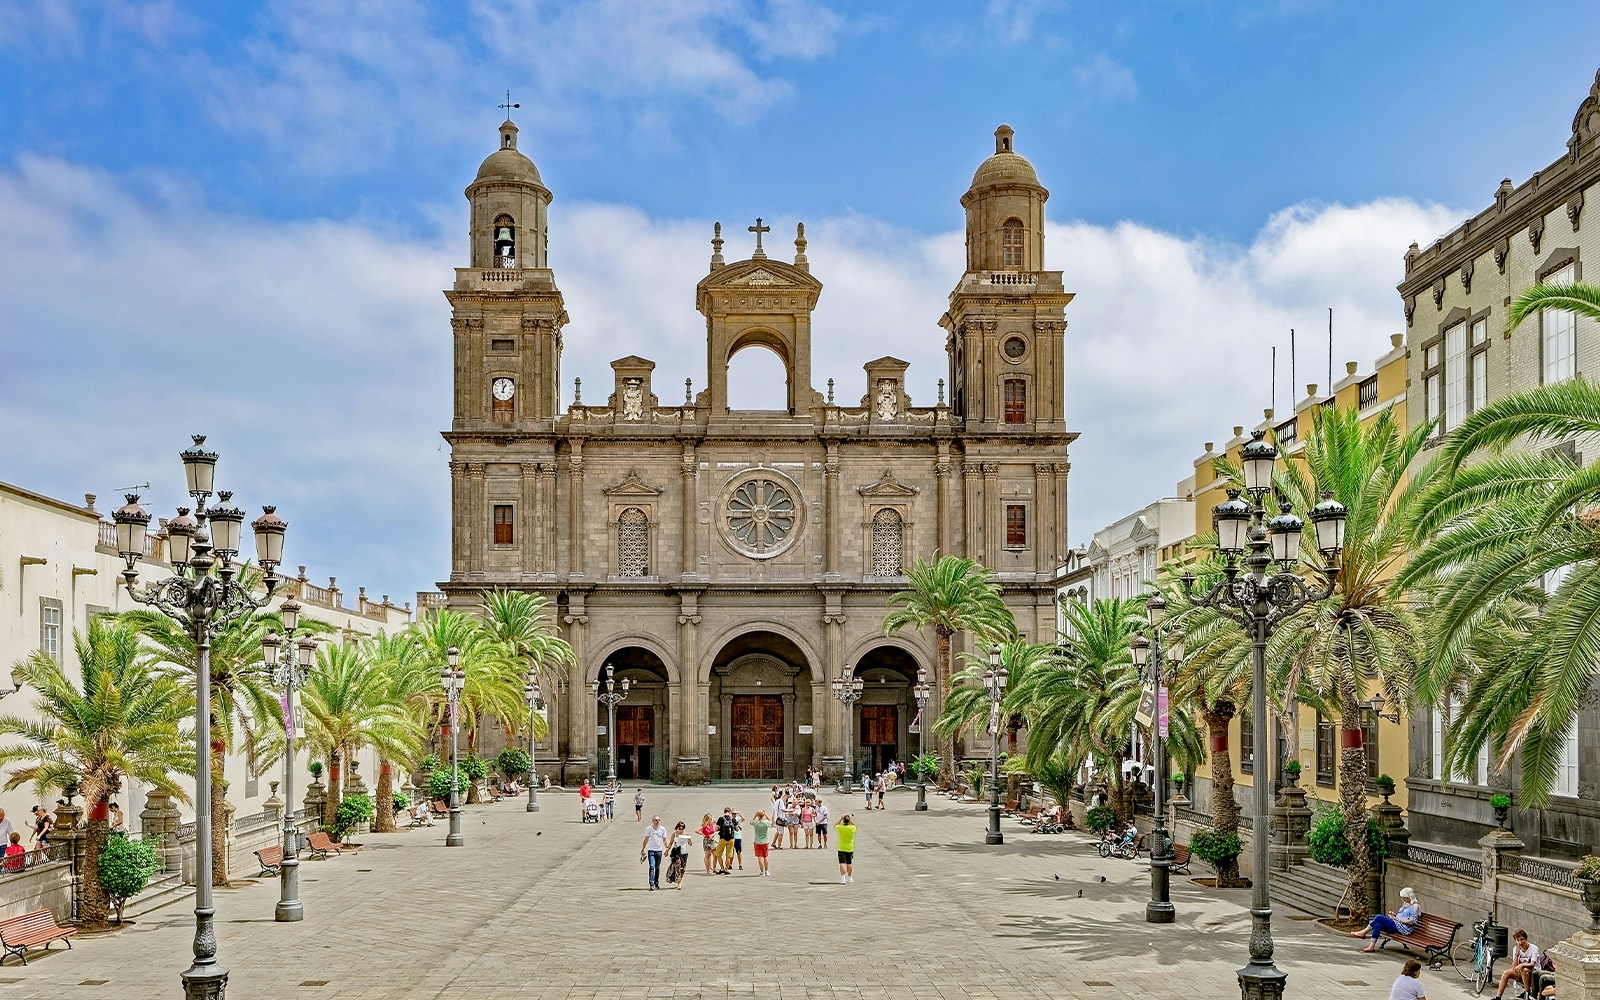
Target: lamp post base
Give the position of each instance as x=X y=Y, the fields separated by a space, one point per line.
x=454 y=838
x=994 y=837
x=204 y=982
x=1159 y=912
x=922 y=797
x=1261 y=982
x=533 y=807
x=292 y=910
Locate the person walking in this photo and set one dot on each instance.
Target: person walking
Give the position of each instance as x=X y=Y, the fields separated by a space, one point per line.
x=654 y=845
x=5 y=828
x=822 y=824
x=866 y=788
x=883 y=786
x=611 y=799
x=708 y=838
x=41 y=828
x=1408 y=985
x=761 y=829
x=808 y=822
x=638 y=805
x=682 y=844
x=847 y=849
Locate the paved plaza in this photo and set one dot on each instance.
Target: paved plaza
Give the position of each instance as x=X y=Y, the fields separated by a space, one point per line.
x=543 y=906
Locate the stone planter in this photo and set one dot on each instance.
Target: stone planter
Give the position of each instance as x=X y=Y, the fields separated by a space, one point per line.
x=1589 y=889
x=1501 y=814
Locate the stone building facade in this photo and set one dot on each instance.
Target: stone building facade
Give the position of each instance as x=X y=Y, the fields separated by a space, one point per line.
x=1461 y=356
x=731 y=563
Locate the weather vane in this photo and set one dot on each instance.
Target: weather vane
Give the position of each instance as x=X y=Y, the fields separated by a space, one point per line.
x=507 y=106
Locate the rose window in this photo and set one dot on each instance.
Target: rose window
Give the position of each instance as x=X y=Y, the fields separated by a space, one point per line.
x=761 y=516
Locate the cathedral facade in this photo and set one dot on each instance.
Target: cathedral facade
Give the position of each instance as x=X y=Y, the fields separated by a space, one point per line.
x=730 y=564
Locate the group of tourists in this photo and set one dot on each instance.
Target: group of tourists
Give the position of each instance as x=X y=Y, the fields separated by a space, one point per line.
x=1527 y=960
x=793 y=808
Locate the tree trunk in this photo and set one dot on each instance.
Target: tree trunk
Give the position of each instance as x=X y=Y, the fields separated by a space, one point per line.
x=1353 y=804
x=330 y=807
x=1224 y=808
x=219 y=818
x=1119 y=795
x=383 y=822
x=947 y=743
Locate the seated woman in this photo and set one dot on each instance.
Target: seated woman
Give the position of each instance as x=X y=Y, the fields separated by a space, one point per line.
x=1397 y=924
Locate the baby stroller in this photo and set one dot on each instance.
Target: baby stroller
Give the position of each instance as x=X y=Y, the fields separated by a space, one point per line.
x=591 y=811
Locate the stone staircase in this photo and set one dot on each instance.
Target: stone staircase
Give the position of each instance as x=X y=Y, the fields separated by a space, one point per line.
x=163 y=890
x=1310 y=887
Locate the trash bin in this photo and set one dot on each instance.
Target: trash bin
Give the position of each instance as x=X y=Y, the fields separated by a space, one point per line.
x=1498 y=944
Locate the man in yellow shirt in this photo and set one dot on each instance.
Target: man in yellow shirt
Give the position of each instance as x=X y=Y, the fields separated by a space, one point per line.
x=845 y=834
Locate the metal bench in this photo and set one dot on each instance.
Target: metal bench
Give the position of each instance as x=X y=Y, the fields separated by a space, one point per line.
x=271 y=859
x=319 y=844
x=1178 y=864
x=31 y=930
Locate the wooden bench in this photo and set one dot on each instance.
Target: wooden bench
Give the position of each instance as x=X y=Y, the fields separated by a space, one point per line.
x=1179 y=862
x=1030 y=816
x=319 y=844
x=271 y=859
x=1433 y=936
x=440 y=809
x=31 y=930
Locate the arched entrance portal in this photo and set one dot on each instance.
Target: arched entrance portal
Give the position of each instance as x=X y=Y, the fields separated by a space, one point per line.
x=761 y=699
x=643 y=729
x=886 y=709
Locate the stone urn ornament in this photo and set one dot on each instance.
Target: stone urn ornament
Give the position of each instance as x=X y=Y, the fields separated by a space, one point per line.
x=1384 y=785
x=1500 y=802
x=1291 y=773
x=1587 y=875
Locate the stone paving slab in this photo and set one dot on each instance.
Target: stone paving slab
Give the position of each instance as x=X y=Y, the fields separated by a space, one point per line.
x=539 y=906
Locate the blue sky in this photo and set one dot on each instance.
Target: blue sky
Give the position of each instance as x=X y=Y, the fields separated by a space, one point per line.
x=270 y=195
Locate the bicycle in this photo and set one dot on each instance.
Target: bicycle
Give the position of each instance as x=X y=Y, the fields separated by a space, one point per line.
x=1473 y=958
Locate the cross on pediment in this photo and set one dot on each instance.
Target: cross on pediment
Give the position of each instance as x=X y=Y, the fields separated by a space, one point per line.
x=758 y=229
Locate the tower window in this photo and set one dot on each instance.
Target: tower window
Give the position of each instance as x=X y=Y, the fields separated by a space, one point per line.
x=505 y=241
x=504 y=529
x=1016 y=525
x=633 y=543
x=888 y=546
x=1016 y=400
x=1013 y=244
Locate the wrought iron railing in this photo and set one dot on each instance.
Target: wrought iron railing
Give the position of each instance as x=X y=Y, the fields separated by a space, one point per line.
x=1464 y=867
x=255 y=821
x=29 y=860
x=186 y=831
x=1544 y=871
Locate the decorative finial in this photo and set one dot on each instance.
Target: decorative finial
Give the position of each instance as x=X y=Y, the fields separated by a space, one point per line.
x=800 y=247
x=688 y=392
x=758 y=229
x=577 y=392
x=716 y=246
x=941 y=392
x=830 y=392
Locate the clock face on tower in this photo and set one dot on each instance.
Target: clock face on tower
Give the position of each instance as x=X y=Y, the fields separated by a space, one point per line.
x=503 y=388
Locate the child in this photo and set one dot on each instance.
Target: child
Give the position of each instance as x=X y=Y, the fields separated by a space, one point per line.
x=15 y=853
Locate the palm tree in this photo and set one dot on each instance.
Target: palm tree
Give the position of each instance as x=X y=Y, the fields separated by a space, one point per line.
x=1330 y=651
x=522 y=622
x=349 y=708
x=949 y=595
x=411 y=684
x=493 y=681
x=968 y=702
x=1578 y=297
x=246 y=715
x=125 y=722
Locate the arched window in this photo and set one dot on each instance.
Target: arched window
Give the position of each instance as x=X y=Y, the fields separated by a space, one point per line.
x=888 y=544
x=633 y=543
x=505 y=241
x=1013 y=244
x=1016 y=401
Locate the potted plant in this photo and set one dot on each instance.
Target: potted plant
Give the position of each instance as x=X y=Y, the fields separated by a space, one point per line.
x=1500 y=802
x=315 y=767
x=1291 y=772
x=1384 y=785
x=1587 y=875
x=1177 y=781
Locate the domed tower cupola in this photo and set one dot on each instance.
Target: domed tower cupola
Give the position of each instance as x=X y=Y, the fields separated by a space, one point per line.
x=510 y=209
x=1005 y=211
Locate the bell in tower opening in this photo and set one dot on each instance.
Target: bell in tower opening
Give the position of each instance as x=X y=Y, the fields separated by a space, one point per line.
x=505 y=241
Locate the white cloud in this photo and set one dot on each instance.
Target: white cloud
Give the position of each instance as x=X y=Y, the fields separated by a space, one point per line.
x=1103 y=78
x=317 y=355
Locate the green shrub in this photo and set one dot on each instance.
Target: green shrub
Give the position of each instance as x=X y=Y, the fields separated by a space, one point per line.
x=474 y=767
x=430 y=763
x=1292 y=767
x=1588 y=868
x=1326 y=844
x=439 y=784
x=354 y=810
x=1099 y=819
x=1500 y=800
x=1215 y=849
x=315 y=767
x=126 y=865
x=513 y=762
x=400 y=800
x=926 y=765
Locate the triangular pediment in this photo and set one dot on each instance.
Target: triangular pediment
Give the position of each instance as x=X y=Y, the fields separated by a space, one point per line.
x=887 y=361
x=760 y=273
x=888 y=487
x=633 y=361
x=632 y=486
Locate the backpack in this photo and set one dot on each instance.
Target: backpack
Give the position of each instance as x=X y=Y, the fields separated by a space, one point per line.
x=1546 y=963
x=725 y=825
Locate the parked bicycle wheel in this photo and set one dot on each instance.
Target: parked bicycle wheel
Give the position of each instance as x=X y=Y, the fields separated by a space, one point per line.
x=1104 y=848
x=1126 y=851
x=1464 y=957
x=1485 y=974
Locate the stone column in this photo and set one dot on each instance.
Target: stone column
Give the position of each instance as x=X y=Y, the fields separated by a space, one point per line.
x=724 y=742
x=477 y=515
x=1502 y=855
x=994 y=522
x=941 y=494
x=1578 y=962
x=1058 y=508
x=528 y=521
x=788 y=733
x=575 y=511
x=316 y=798
x=688 y=474
x=459 y=541
x=580 y=701
x=547 y=511
x=1290 y=822
x=833 y=517
x=69 y=830
x=825 y=715
x=1044 y=522
x=692 y=765
x=159 y=823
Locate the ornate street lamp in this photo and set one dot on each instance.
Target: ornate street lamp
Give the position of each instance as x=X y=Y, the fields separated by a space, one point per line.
x=530 y=694
x=1148 y=651
x=454 y=680
x=203 y=597
x=289 y=672
x=1259 y=600
x=994 y=680
x=922 y=692
x=610 y=698
x=848 y=692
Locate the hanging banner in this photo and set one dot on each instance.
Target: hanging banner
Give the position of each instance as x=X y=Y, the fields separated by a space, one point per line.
x=1165 y=720
x=288 y=714
x=1145 y=714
